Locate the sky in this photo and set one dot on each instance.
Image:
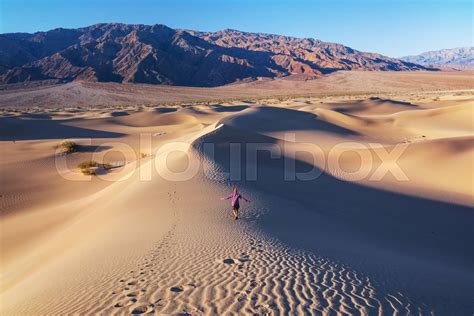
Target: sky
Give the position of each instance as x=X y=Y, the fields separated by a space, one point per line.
x=391 y=27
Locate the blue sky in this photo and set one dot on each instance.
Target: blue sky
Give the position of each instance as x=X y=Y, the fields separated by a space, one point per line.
x=390 y=27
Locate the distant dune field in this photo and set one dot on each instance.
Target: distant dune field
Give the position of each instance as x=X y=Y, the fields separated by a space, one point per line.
x=381 y=225
x=342 y=83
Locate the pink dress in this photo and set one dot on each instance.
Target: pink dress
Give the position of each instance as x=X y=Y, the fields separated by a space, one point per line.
x=235 y=197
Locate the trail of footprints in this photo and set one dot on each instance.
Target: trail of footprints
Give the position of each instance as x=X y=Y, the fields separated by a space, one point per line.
x=135 y=285
x=264 y=277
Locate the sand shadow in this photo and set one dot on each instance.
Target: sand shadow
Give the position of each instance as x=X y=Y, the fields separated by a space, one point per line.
x=233 y=108
x=119 y=113
x=349 y=204
x=165 y=110
x=91 y=148
x=36 y=116
x=14 y=128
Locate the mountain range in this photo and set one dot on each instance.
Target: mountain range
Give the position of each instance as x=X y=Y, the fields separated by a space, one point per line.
x=462 y=57
x=157 y=54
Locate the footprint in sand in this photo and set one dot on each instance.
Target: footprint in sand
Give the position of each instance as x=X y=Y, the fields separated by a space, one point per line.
x=124 y=303
x=176 y=289
x=142 y=309
x=241 y=297
x=133 y=294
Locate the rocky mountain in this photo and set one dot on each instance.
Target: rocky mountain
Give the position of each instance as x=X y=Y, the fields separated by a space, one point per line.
x=158 y=54
x=455 y=57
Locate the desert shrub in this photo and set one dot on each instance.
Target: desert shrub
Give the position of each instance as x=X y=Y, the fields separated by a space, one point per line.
x=88 y=164
x=88 y=167
x=68 y=146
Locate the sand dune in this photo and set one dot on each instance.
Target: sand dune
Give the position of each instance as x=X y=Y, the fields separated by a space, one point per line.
x=447 y=121
x=373 y=106
x=331 y=245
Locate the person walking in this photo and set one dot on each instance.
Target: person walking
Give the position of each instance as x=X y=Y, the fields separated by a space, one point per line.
x=235 y=197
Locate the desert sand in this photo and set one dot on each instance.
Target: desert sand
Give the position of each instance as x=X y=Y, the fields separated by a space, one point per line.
x=354 y=240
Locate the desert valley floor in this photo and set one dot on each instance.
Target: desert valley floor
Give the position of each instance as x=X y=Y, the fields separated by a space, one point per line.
x=135 y=240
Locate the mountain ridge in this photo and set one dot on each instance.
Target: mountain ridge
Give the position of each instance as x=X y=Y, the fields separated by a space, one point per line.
x=455 y=57
x=157 y=54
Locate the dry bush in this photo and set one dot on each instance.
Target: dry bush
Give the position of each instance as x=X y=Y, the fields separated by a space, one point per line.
x=68 y=147
x=89 y=167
